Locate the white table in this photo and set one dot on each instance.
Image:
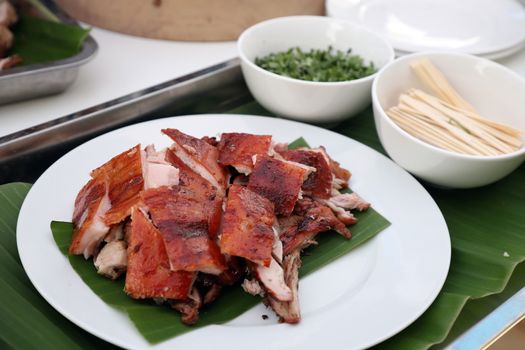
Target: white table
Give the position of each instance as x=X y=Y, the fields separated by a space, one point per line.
x=125 y=64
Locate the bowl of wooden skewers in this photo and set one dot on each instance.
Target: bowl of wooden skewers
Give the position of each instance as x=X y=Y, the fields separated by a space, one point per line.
x=451 y=119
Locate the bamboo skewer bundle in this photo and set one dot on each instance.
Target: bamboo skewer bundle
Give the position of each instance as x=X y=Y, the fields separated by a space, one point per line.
x=448 y=121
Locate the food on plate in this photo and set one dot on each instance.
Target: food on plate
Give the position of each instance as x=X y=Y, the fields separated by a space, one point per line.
x=448 y=121
x=8 y=18
x=316 y=65
x=187 y=221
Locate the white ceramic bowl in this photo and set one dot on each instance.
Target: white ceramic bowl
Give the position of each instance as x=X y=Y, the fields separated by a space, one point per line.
x=495 y=91
x=315 y=102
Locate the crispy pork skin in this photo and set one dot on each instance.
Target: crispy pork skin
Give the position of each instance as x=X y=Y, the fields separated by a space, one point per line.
x=318 y=183
x=200 y=156
x=182 y=220
x=246 y=229
x=310 y=218
x=112 y=259
x=148 y=273
x=338 y=171
x=289 y=311
x=200 y=190
x=125 y=183
x=91 y=204
x=239 y=149
x=279 y=181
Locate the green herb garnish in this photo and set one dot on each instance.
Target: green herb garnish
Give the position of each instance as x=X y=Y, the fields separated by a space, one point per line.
x=316 y=65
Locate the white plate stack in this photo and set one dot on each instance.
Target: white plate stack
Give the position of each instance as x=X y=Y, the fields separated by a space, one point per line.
x=487 y=28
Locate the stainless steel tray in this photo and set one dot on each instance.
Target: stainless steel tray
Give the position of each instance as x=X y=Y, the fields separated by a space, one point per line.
x=26 y=82
x=27 y=153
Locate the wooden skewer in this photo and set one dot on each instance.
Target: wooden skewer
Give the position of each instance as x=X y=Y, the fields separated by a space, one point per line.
x=443 y=121
x=471 y=126
x=448 y=121
x=438 y=136
x=427 y=135
x=440 y=85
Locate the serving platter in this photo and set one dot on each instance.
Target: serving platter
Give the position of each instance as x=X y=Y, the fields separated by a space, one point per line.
x=355 y=302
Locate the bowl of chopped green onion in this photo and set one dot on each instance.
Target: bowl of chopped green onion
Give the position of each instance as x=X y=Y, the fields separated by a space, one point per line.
x=312 y=68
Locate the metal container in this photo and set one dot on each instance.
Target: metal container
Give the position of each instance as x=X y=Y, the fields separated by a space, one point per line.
x=26 y=82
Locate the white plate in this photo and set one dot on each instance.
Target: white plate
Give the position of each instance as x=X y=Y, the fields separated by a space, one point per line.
x=478 y=27
x=355 y=302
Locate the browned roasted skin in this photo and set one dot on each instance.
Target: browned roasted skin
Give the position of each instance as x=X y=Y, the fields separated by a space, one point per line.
x=211 y=140
x=201 y=191
x=148 y=273
x=278 y=181
x=337 y=170
x=318 y=183
x=125 y=183
x=238 y=149
x=182 y=221
x=309 y=219
x=246 y=229
x=289 y=311
x=200 y=151
x=85 y=211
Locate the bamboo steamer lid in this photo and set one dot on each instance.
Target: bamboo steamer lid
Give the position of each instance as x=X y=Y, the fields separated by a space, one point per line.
x=186 y=20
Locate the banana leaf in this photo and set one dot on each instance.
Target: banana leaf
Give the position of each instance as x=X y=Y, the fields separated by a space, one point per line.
x=41 y=41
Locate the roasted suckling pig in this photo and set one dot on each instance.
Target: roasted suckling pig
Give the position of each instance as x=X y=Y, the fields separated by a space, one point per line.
x=184 y=222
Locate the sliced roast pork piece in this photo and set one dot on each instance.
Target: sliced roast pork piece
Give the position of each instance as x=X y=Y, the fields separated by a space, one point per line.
x=125 y=183
x=112 y=259
x=115 y=188
x=200 y=190
x=288 y=311
x=148 y=273
x=318 y=183
x=272 y=280
x=200 y=156
x=246 y=229
x=341 y=174
x=156 y=171
x=183 y=222
x=350 y=201
x=279 y=181
x=238 y=150
x=91 y=204
x=310 y=218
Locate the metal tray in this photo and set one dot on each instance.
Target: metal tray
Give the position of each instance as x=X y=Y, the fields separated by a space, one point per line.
x=26 y=82
x=24 y=155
